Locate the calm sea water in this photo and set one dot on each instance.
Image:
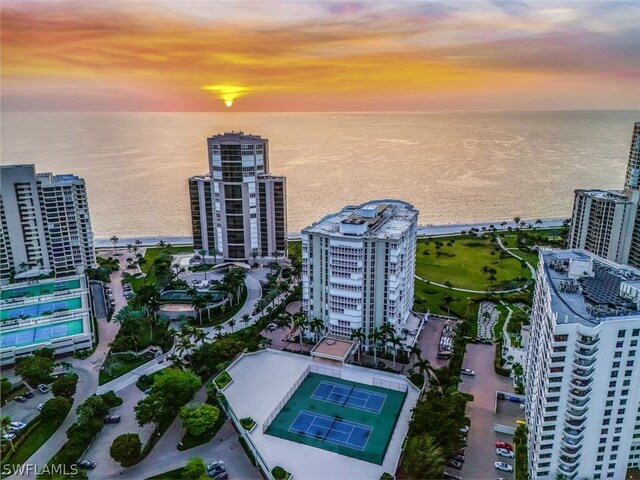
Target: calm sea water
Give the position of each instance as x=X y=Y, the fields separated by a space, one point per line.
x=455 y=168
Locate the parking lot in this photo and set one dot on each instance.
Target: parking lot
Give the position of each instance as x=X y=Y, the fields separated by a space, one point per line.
x=27 y=411
x=481 y=451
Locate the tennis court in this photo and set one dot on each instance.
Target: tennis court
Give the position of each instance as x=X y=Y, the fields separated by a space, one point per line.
x=349 y=396
x=333 y=430
x=40 y=309
x=41 y=334
x=350 y=418
x=184 y=297
x=39 y=289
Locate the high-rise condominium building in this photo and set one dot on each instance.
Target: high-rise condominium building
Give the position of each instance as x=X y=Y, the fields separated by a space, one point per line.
x=358 y=267
x=607 y=222
x=45 y=223
x=238 y=206
x=582 y=379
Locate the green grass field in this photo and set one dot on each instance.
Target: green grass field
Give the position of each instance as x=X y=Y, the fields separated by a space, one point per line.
x=461 y=262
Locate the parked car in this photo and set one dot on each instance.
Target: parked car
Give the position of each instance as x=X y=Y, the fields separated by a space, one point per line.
x=504 y=445
x=451 y=476
x=8 y=436
x=458 y=458
x=28 y=394
x=217 y=466
x=452 y=463
x=86 y=465
x=503 y=467
x=18 y=425
x=464 y=429
x=20 y=399
x=503 y=452
x=459 y=451
x=43 y=388
x=112 y=419
x=40 y=406
x=467 y=371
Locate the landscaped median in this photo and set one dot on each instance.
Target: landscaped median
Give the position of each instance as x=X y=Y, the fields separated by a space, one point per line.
x=223 y=379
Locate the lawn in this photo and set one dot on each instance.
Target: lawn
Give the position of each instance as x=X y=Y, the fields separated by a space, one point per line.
x=461 y=260
x=115 y=367
x=429 y=297
x=150 y=255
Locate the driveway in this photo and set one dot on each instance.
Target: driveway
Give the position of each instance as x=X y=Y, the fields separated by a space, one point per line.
x=429 y=340
x=480 y=452
x=99 y=449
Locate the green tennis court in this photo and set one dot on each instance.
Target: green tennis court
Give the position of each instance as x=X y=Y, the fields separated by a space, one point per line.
x=38 y=289
x=349 y=418
x=181 y=296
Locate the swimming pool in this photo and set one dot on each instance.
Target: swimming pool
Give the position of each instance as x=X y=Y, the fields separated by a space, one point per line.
x=41 y=334
x=37 y=310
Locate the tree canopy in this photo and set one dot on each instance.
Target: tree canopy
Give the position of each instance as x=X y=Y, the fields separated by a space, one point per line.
x=197 y=420
x=126 y=449
x=65 y=385
x=423 y=458
x=37 y=368
x=194 y=470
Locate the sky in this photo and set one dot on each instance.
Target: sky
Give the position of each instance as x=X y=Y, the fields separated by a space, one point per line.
x=130 y=55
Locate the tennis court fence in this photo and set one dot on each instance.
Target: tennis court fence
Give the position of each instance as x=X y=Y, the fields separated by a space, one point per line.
x=381 y=382
x=376 y=458
x=284 y=401
x=329 y=372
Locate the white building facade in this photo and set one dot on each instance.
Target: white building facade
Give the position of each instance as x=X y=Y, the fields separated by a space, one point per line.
x=582 y=377
x=358 y=267
x=46 y=225
x=239 y=206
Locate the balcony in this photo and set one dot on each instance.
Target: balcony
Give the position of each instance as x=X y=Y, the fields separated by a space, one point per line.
x=571 y=443
x=587 y=342
x=568 y=470
x=577 y=414
x=570 y=451
x=583 y=374
x=578 y=404
x=573 y=423
x=570 y=461
x=580 y=384
x=574 y=434
x=584 y=354
x=579 y=394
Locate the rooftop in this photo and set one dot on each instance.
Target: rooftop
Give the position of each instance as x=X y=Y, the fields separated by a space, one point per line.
x=374 y=219
x=333 y=348
x=617 y=196
x=585 y=288
x=232 y=138
x=261 y=380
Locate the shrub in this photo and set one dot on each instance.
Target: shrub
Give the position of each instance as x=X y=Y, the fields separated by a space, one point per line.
x=247 y=423
x=65 y=385
x=126 y=449
x=279 y=473
x=198 y=420
x=110 y=399
x=223 y=379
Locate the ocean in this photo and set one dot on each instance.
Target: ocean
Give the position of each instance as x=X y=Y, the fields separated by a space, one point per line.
x=455 y=168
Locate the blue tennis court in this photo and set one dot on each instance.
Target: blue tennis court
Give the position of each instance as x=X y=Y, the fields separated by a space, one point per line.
x=348 y=396
x=38 y=309
x=331 y=429
x=41 y=334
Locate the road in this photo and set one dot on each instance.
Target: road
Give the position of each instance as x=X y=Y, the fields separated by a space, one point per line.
x=480 y=452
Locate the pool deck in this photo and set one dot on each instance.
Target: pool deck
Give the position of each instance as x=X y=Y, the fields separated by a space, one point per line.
x=261 y=380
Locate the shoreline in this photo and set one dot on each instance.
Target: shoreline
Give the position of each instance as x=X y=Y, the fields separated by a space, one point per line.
x=423 y=231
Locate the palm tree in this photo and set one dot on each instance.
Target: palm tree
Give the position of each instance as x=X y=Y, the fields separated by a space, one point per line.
x=246 y=318
x=199 y=303
x=218 y=328
x=199 y=335
x=23 y=266
x=129 y=247
x=161 y=244
x=447 y=299
x=275 y=254
x=5 y=425
x=300 y=321
x=395 y=343
x=215 y=252
x=316 y=325
x=255 y=253
x=265 y=342
x=114 y=239
x=415 y=350
x=423 y=458
x=516 y=220
x=375 y=337
x=261 y=305
x=232 y=323
x=184 y=346
x=360 y=336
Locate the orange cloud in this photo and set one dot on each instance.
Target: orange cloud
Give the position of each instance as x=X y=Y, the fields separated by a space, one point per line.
x=139 y=48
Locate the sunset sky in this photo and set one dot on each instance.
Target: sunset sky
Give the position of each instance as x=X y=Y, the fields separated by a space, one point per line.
x=319 y=56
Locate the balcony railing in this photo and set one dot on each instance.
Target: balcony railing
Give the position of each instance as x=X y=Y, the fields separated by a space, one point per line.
x=580 y=384
x=587 y=342
x=577 y=415
x=571 y=451
x=585 y=354
x=579 y=393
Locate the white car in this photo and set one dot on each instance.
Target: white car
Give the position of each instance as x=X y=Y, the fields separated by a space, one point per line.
x=18 y=425
x=468 y=371
x=464 y=429
x=503 y=467
x=503 y=452
x=40 y=406
x=8 y=436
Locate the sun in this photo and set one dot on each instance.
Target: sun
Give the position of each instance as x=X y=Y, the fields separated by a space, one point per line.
x=228 y=93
